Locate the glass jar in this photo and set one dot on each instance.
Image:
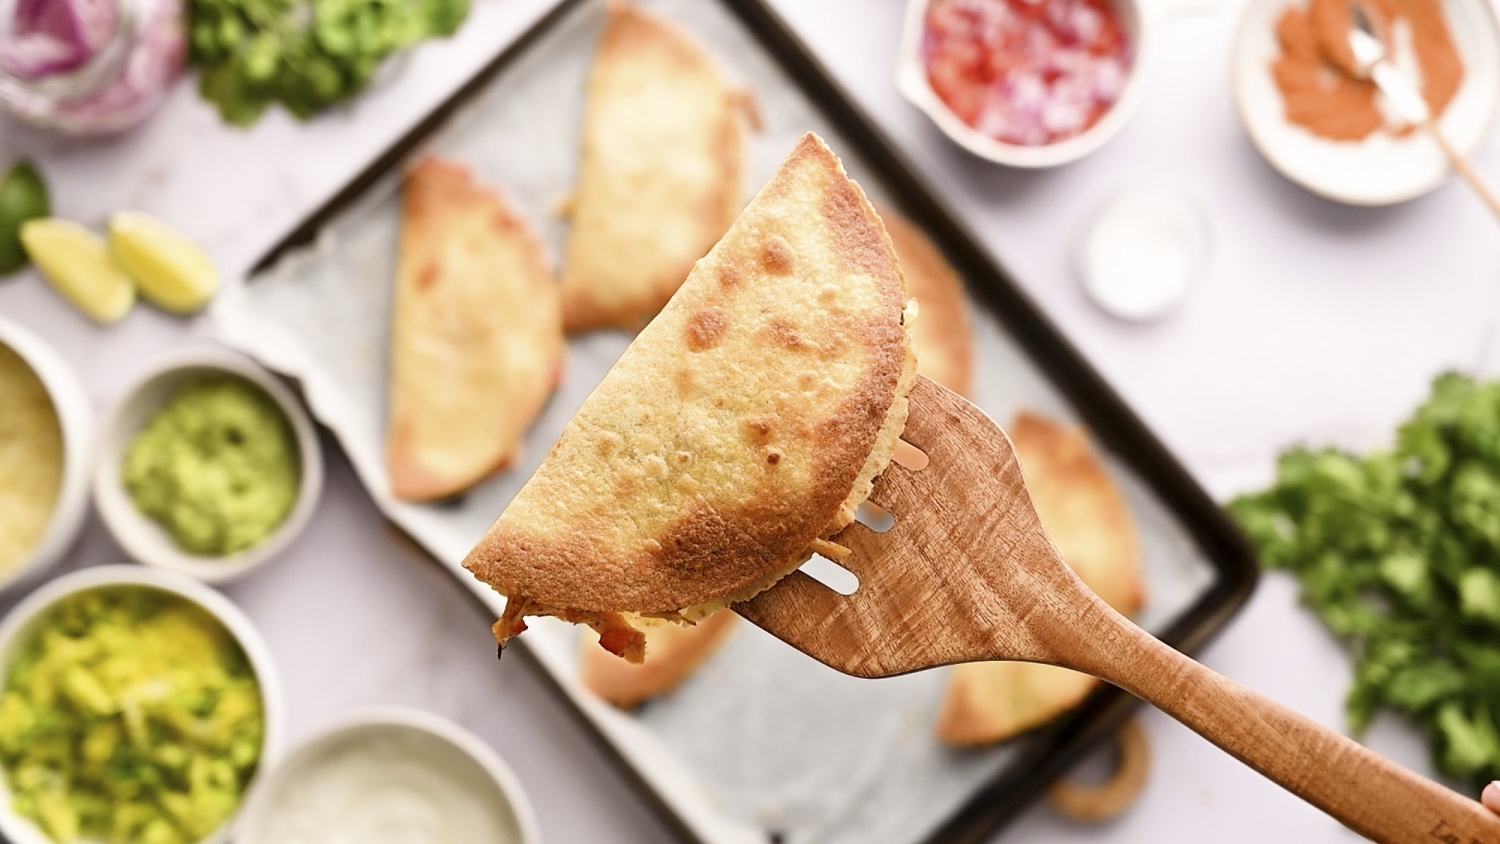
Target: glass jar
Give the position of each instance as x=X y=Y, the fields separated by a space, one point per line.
x=88 y=67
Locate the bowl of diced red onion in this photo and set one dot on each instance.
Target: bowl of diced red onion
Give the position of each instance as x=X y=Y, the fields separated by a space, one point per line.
x=1025 y=83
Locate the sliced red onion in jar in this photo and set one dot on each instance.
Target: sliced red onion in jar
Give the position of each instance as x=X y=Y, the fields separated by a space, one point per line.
x=48 y=37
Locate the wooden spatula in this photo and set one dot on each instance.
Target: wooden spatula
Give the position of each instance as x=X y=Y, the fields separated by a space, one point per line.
x=967 y=573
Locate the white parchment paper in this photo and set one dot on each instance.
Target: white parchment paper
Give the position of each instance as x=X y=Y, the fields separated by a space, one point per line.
x=762 y=743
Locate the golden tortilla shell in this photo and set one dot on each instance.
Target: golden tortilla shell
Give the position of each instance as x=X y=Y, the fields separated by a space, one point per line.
x=941 y=335
x=660 y=176
x=476 y=336
x=673 y=652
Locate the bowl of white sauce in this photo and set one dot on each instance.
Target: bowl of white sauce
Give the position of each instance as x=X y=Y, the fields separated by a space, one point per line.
x=390 y=776
x=1142 y=251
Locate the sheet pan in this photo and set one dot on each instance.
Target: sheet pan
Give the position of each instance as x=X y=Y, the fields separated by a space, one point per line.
x=762 y=744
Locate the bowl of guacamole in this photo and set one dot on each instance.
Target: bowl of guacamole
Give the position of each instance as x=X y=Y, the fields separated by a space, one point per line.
x=138 y=706
x=208 y=466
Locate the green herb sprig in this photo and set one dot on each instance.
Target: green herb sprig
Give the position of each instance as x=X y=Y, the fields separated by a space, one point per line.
x=1399 y=552
x=304 y=54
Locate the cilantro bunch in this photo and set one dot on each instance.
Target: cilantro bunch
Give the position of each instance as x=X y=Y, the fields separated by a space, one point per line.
x=304 y=54
x=1399 y=552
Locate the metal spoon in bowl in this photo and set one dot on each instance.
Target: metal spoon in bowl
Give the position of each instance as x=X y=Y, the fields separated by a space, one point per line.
x=1401 y=91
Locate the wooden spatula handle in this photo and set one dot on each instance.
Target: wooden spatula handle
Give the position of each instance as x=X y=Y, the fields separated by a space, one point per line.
x=1367 y=792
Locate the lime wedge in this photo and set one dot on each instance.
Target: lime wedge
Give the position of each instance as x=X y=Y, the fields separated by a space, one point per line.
x=23 y=196
x=78 y=264
x=171 y=270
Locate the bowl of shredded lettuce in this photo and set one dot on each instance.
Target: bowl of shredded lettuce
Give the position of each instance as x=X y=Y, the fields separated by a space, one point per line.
x=137 y=706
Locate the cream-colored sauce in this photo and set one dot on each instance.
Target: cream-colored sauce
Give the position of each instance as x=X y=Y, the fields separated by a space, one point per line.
x=401 y=788
x=31 y=459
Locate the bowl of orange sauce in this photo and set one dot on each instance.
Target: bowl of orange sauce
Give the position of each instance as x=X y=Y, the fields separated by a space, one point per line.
x=1310 y=115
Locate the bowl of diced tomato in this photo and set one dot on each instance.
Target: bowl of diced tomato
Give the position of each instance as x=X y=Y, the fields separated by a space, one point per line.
x=1025 y=83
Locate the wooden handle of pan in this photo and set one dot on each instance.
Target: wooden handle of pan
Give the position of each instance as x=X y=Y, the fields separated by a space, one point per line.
x=1367 y=792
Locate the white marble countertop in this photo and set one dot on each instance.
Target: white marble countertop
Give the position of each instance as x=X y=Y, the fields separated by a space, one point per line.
x=1316 y=322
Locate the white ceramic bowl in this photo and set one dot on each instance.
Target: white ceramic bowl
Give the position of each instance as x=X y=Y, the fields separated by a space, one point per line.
x=147 y=541
x=911 y=81
x=1381 y=169
x=463 y=747
x=75 y=415
x=20 y=620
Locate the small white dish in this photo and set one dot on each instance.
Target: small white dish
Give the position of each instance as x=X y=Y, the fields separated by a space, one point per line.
x=911 y=82
x=20 y=620
x=1381 y=169
x=1140 y=253
x=75 y=416
x=308 y=779
x=145 y=540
